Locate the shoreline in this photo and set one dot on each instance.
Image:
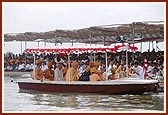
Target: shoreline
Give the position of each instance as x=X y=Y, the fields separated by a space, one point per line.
x=12 y=73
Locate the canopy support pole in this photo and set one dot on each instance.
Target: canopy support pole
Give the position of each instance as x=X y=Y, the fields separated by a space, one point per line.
x=156 y=46
x=90 y=39
x=141 y=46
x=149 y=46
x=106 y=66
x=72 y=42
x=133 y=41
x=45 y=43
x=152 y=45
x=104 y=41
x=25 y=44
x=34 y=64
x=38 y=43
x=127 y=61
x=21 y=47
x=94 y=56
x=69 y=67
x=56 y=42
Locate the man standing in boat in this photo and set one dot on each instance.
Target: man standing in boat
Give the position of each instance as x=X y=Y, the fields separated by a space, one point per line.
x=137 y=71
x=37 y=73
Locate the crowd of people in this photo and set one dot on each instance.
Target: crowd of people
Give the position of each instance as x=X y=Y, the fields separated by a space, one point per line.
x=86 y=66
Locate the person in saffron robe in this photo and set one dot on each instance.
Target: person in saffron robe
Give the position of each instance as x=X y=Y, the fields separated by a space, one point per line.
x=37 y=73
x=96 y=65
x=120 y=71
x=94 y=76
x=72 y=73
x=49 y=73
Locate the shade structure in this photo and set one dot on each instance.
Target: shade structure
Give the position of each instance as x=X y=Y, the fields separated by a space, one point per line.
x=126 y=47
x=61 y=49
x=103 y=34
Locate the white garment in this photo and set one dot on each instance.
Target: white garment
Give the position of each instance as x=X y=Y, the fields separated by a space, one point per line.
x=149 y=69
x=44 y=67
x=21 y=66
x=109 y=68
x=27 y=66
x=58 y=76
x=139 y=72
x=82 y=69
x=61 y=61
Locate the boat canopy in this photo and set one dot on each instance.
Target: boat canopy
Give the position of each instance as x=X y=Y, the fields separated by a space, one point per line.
x=61 y=49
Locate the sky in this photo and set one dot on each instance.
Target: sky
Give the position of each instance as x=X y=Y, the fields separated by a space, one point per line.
x=42 y=17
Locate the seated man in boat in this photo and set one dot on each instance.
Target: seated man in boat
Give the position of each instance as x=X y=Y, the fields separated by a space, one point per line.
x=72 y=73
x=49 y=73
x=65 y=69
x=96 y=65
x=37 y=73
x=161 y=71
x=85 y=75
x=111 y=71
x=121 y=71
x=137 y=71
x=58 y=75
x=94 y=76
x=129 y=70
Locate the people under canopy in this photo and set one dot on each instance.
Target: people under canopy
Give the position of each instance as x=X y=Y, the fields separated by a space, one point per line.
x=94 y=76
x=100 y=74
x=137 y=71
x=121 y=70
x=85 y=75
x=37 y=73
x=111 y=71
x=58 y=75
x=49 y=73
x=72 y=73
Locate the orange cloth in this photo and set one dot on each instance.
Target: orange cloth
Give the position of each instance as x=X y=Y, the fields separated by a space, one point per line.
x=120 y=68
x=94 y=77
x=112 y=70
x=38 y=74
x=87 y=69
x=49 y=74
x=100 y=75
x=74 y=76
x=93 y=70
x=49 y=64
x=97 y=63
x=129 y=72
x=120 y=72
x=91 y=64
x=64 y=71
x=73 y=64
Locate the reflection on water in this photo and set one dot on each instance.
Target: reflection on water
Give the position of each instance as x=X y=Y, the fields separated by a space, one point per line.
x=30 y=100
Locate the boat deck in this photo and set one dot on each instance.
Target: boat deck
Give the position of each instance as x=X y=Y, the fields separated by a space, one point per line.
x=109 y=82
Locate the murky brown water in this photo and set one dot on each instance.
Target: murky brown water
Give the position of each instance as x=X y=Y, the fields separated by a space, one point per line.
x=29 y=100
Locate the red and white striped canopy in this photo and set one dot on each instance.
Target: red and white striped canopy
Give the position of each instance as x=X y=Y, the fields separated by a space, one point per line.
x=60 y=49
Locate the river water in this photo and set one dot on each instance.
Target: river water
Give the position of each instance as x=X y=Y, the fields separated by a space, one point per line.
x=29 y=100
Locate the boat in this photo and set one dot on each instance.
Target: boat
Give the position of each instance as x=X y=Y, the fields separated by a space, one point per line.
x=118 y=86
x=161 y=87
